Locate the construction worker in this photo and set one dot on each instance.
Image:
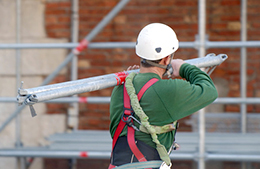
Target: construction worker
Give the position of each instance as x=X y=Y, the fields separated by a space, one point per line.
x=163 y=102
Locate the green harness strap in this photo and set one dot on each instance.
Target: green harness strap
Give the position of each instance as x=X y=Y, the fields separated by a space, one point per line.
x=160 y=129
x=144 y=118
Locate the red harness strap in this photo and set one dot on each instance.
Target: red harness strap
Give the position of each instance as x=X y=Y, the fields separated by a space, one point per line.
x=130 y=130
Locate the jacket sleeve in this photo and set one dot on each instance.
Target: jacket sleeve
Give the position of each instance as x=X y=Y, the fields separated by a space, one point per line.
x=194 y=93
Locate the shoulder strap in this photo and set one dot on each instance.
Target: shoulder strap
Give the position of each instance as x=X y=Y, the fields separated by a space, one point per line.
x=145 y=87
x=127 y=103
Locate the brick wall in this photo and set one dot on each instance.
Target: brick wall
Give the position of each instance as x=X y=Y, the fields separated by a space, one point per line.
x=223 y=24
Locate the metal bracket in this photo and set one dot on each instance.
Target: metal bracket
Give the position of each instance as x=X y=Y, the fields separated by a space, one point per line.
x=25 y=99
x=21 y=91
x=31 y=100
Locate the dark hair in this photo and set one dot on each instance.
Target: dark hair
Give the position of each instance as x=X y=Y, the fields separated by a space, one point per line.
x=146 y=64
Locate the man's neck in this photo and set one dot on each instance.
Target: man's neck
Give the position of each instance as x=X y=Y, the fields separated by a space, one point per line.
x=156 y=70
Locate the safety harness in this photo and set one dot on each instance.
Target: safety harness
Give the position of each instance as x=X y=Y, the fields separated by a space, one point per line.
x=131 y=107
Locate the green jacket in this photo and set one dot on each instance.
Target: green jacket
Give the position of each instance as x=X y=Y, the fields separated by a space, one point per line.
x=166 y=101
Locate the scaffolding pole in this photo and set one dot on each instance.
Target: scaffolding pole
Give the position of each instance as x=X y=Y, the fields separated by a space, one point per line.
x=45 y=153
x=112 y=45
x=48 y=92
x=243 y=71
x=20 y=162
x=201 y=53
x=104 y=100
x=73 y=110
x=208 y=61
x=243 y=67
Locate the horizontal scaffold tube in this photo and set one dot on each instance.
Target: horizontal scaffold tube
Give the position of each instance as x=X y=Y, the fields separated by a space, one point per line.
x=112 y=45
x=106 y=100
x=105 y=155
x=48 y=92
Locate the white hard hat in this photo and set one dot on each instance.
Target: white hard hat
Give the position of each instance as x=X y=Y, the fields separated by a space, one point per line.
x=156 y=41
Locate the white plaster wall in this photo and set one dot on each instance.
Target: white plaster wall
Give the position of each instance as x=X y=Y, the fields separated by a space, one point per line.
x=35 y=63
x=8 y=18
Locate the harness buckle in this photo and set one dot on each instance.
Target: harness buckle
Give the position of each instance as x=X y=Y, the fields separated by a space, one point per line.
x=128 y=119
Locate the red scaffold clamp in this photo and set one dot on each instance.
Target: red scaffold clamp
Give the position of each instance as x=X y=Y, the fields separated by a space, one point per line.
x=120 y=77
x=82 y=45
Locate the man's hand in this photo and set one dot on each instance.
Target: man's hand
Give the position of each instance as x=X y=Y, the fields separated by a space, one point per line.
x=133 y=67
x=176 y=64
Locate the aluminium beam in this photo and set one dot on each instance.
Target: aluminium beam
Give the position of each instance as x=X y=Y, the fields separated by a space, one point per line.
x=48 y=92
x=47 y=153
x=243 y=67
x=234 y=157
x=111 y=45
x=105 y=100
x=201 y=52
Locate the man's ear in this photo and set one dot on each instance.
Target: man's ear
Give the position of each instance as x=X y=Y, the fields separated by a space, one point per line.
x=166 y=60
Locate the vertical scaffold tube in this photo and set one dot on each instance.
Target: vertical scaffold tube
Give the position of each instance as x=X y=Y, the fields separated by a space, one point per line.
x=243 y=62
x=202 y=39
